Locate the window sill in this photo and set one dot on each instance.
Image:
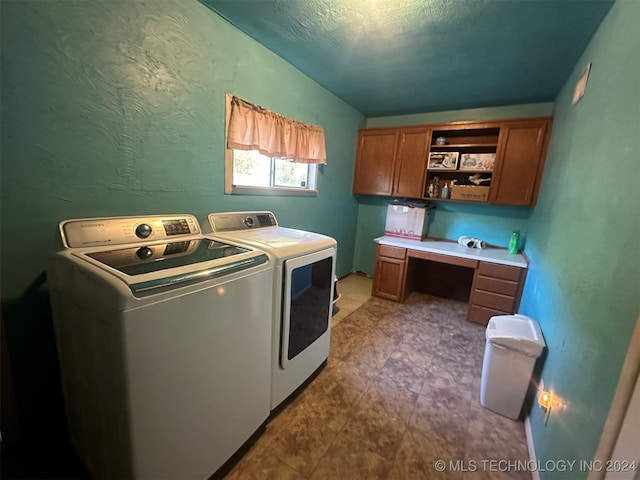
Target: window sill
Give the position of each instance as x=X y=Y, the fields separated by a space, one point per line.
x=272 y=191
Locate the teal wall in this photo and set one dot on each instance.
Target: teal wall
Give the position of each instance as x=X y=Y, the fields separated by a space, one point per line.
x=491 y=223
x=118 y=108
x=584 y=282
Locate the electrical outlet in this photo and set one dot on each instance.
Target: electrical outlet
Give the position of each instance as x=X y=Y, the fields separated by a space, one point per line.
x=545 y=400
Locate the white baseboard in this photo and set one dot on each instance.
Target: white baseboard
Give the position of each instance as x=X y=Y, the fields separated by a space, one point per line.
x=535 y=475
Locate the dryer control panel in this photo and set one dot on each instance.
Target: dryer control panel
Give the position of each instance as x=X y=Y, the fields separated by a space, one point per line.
x=93 y=232
x=234 y=221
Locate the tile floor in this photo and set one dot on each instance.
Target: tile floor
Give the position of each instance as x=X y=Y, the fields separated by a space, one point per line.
x=400 y=391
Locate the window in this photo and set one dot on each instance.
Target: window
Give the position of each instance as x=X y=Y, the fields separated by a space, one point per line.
x=260 y=150
x=254 y=172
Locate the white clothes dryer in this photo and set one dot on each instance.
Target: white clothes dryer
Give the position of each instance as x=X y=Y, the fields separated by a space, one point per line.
x=303 y=283
x=163 y=336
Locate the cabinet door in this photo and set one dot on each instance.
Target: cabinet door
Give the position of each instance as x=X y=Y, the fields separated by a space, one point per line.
x=411 y=163
x=520 y=158
x=375 y=162
x=388 y=278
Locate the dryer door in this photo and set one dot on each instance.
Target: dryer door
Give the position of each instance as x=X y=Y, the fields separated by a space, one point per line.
x=308 y=291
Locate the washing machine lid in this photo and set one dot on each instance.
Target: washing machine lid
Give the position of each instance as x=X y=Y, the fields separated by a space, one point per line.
x=140 y=259
x=154 y=268
x=153 y=253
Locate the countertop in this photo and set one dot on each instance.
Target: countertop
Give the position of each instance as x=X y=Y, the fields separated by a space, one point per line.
x=444 y=247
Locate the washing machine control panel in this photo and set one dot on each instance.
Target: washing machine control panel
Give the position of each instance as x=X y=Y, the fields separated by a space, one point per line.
x=91 y=232
x=143 y=230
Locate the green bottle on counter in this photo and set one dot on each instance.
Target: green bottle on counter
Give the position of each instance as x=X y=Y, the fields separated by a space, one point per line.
x=514 y=242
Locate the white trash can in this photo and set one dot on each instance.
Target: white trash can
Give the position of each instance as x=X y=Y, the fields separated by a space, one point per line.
x=514 y=342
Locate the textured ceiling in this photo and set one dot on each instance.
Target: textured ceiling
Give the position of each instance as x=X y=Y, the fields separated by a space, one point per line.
x=392 y=57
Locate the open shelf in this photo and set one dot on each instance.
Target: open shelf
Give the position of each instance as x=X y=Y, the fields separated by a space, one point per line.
x=468 y=144
x=465 y=138
x=461 y=177
x=476 y=147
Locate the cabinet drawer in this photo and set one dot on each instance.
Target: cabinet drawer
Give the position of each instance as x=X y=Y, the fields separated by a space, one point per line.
x=495 y=285
x=392 y=252
x=439 y=257
x=496 y=270
x=493 y=300
x=482 y=315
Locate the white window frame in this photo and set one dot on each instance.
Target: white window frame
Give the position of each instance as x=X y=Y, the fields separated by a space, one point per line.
x=230 y=188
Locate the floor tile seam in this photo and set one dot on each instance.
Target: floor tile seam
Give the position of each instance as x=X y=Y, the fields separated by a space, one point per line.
x=426 y=375
x=291 y=467
x=363 y=332
x=460 y=449
x=359 y=396
x=384 y=360
x=413 y=409
x=389 y=463
x=417 y=431
x=468 y=434
x=376 y=373
x=403 y=429
x=389 y=401
x=419 y=366
x=398 y=450
x=268 y=451
x=319 y=462
x=387 y=375
x=288 y=465
x=466 y=346
x=328 y=448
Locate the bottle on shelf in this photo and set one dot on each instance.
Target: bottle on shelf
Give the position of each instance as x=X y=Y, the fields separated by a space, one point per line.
x=436 y=187
x=445 y=191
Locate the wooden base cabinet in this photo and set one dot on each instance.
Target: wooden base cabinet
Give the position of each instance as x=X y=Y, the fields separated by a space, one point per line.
x=389 y=274
x=496 y=290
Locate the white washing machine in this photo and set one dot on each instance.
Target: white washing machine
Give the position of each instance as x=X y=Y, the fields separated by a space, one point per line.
x=163 y=336
x=302 y=293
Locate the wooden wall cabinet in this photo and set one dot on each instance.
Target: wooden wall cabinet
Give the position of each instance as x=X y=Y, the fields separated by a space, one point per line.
x=391 y=161
x=375 y=161
x=496 y=290
x=389 y=273
x=520 y=161
x=411 y=160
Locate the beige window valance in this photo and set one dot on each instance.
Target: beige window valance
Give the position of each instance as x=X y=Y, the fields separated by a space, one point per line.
x=252 y=127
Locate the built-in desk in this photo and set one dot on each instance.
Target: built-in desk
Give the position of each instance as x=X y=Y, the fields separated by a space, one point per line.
x=490 y=280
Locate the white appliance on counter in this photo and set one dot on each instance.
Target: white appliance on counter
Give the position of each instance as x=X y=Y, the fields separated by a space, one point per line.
x=302 y=293
x=163 y=338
